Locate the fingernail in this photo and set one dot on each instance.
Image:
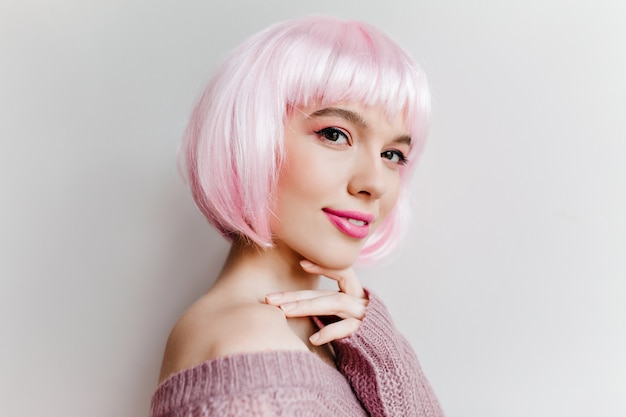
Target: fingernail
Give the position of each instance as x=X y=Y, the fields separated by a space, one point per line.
x=288 y=306
x=274 y=296
x=306 y=264
x=314 y=337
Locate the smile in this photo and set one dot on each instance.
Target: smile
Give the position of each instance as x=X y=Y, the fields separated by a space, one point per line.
x=351 y=223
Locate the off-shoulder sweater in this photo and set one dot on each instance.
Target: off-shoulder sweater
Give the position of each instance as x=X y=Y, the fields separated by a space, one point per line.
x=376 y=374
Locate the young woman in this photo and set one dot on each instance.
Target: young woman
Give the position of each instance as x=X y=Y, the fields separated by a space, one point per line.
x=300 y=152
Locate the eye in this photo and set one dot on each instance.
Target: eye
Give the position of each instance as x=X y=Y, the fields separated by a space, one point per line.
x=395 y=156
x=334 y=135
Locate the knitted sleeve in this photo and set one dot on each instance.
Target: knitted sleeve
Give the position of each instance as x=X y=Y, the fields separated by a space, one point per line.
x=383 y=369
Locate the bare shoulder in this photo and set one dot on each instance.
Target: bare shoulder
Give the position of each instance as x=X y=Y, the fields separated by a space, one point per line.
x=210 y=329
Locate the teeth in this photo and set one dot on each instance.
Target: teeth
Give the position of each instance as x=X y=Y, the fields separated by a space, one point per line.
x=357 y=222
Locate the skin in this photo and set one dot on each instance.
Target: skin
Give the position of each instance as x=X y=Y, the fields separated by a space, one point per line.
x=344 y=157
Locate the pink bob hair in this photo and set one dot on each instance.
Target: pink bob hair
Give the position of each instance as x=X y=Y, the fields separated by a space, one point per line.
x=233 y=144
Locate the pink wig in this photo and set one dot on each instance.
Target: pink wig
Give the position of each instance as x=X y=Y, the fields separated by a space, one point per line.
x=233 y=145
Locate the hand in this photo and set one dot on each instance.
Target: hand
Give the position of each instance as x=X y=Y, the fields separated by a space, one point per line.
x=348 y=303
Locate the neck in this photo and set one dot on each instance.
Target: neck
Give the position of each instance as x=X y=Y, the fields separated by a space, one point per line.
x=256 y=271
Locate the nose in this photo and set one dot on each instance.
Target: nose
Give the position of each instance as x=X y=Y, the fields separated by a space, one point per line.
x=368 y=177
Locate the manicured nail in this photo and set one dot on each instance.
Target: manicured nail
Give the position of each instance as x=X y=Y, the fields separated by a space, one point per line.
x=314 y=337
x=288 y=306
x=274 y=296
x=306 y=264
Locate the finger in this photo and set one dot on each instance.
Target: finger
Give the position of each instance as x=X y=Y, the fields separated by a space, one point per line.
x=279 y=298
x=336 y=304
x=335 y=331
x=346 y=279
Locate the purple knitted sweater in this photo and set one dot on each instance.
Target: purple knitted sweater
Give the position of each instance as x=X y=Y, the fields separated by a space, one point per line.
x=377 y=374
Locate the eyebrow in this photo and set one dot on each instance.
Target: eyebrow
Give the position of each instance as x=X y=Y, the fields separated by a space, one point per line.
x=405 y=139
x=355 y=118
x=347 y=115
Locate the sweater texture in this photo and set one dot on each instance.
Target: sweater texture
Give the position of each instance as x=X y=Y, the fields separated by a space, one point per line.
x=377 y=374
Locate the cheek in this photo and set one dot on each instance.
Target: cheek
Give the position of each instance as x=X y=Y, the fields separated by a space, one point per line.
x=302 y=186
x=292 y=182
x=390 y=198
x=311 y=172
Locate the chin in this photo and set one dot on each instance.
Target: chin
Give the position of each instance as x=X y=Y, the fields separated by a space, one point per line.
x=333 y=259
x=338 y=264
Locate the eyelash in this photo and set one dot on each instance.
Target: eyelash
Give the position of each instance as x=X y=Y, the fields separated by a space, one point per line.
x=402 y=160
x=332 y=134
x=328 y=131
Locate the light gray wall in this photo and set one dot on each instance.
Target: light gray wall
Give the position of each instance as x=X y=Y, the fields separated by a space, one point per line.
x=511 y=286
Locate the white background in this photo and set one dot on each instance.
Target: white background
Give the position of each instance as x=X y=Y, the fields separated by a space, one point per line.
x=511 y=286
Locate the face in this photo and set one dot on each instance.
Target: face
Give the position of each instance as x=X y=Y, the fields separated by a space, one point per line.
x=340 y=178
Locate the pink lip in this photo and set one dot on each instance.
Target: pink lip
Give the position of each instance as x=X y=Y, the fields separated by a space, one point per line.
x=341 y=220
